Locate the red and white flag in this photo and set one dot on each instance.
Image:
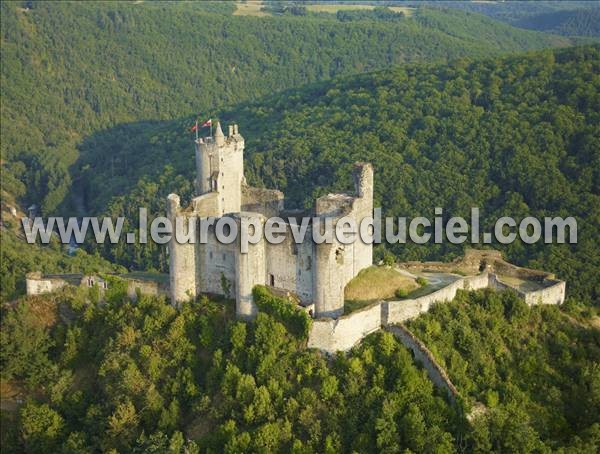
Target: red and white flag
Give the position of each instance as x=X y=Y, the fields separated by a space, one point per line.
x=195 y=127
x=207 y=123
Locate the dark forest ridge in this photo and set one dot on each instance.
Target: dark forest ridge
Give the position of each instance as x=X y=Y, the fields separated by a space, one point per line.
x=487 y=133
x=71 y=69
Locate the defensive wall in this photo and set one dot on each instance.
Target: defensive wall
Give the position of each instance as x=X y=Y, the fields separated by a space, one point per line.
x=421 y=353
x=343 y=333
x=37 y=283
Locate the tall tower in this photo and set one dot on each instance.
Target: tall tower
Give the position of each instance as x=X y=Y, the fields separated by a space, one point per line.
x=220 y=168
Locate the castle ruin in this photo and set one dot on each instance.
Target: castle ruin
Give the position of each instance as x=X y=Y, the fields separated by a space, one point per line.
x=316 y=273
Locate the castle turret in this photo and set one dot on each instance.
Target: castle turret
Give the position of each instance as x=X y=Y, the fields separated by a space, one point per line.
x=219 y=136
x=203 y=167
x=220 y=168
x=182 y=259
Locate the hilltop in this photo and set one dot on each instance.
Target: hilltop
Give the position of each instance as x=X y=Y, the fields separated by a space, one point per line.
x=147 y=377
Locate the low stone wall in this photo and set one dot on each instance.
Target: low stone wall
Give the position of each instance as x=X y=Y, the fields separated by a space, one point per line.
x=341 y=334
x=400 y=311
x=502 y=267
x=422 y=354
x=497 y=285
x=38 y=285
x=145 y=287
x=474 y=261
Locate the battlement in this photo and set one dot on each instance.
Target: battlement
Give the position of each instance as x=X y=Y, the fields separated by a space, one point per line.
x=220 y=140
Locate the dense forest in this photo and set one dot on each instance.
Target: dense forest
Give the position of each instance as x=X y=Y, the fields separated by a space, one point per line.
x=537 y=368
x=572 y=18
x=513 y=136
x=70 y=70
x=145 y=377
x=581 y=22
x=97 y=103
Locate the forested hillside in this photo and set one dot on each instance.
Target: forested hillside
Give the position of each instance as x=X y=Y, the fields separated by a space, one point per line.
x=145 y=377
x=19 y=258
x=70 y=70
x=581 y=22
x=536 y=369
x=572 y=18
x=514 y=136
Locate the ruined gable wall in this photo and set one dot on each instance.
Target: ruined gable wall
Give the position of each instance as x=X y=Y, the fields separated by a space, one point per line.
x=362 y=208
x=268 y=202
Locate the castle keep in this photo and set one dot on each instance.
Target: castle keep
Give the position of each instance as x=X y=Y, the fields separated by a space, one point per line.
x=316 y=273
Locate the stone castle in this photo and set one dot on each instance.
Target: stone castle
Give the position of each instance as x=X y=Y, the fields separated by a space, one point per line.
x=316 y=273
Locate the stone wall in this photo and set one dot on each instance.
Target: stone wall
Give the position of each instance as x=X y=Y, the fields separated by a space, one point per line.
x=341 y=334
x=182 y=258
x=553 y=294
x=290 y=266
x=268 y=202
x=402 y=310
x=145 y=287
x=336 y=264
x=475 y=261
x=37 y=284
x=331 y=335
x=316 y=273
x=421 y=353
x=216 y=261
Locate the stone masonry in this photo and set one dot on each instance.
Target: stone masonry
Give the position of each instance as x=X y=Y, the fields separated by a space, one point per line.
x=315 y=273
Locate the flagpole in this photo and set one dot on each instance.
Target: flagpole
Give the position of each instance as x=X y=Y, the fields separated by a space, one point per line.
x=211 y=127
x=196 y=130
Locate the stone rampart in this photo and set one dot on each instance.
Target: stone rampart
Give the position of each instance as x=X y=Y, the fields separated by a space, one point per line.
x=421 y=353
x=402 y=310
x=145 y=287
x=341 y=334
x=553 y=294
x=37 y=284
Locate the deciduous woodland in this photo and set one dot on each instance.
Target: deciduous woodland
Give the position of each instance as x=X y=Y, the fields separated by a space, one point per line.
x=136 y=377
x=452 y=108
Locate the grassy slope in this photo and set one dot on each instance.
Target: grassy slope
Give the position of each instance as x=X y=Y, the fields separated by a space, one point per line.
x=378 y=282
